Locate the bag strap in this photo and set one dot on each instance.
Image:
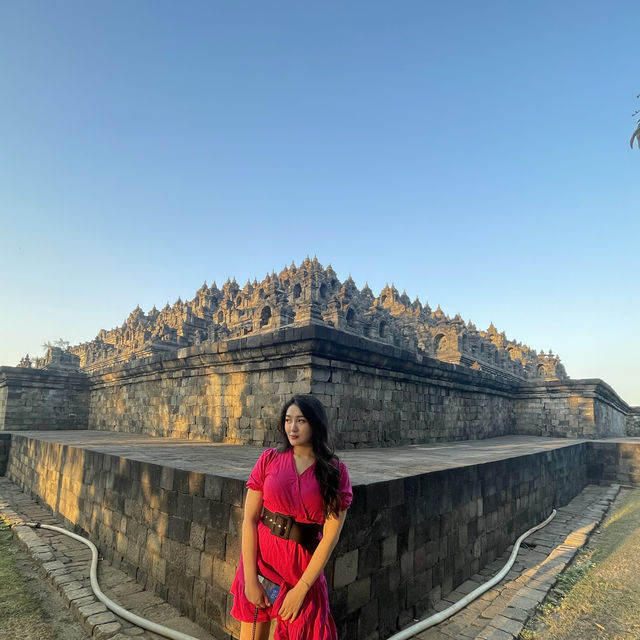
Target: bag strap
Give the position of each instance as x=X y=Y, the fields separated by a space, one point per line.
x=255 y=622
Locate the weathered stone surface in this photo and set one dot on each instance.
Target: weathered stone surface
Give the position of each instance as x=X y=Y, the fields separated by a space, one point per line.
x=42 y=399
x=302 y=295
x=427 y=534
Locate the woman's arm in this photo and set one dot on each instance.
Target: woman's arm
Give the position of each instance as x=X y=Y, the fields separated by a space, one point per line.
x=330 y=536
x=252 y=588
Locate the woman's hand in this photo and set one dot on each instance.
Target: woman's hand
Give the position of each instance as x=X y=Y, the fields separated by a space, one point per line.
x=256 y=594
x=292 y=602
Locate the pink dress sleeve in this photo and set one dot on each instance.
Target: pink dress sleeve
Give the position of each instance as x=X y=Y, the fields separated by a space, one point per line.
x=259 y=471
x=344 y=488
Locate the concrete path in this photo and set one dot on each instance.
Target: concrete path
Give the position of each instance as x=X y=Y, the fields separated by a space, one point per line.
x=498 y=615
x=365 y=465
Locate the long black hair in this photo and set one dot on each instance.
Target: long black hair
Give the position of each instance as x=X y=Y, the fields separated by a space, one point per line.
x=326 y=470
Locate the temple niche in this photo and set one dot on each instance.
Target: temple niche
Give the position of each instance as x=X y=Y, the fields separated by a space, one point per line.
x=307 y=294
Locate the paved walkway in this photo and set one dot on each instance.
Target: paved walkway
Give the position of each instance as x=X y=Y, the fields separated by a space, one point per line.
x=498 y=615
x=365 y=465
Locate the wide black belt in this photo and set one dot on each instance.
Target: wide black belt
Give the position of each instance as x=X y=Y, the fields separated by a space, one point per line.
x=304 y=533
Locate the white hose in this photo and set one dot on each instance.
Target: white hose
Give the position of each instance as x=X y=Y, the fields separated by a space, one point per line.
x=439 y=617
x=409 y=632
x=117 y=609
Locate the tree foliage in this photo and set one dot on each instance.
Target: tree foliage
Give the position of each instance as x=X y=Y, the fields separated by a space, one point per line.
x=61 y=343
x=636 y=134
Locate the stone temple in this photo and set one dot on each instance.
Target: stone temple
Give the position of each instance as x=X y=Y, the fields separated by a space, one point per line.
x=458 y=439
x=312 y=294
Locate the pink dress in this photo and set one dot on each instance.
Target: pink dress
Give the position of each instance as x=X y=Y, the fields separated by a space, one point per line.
x=284 y=561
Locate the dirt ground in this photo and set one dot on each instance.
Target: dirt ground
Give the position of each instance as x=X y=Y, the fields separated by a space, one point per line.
x=598 y=597
x=56 y=613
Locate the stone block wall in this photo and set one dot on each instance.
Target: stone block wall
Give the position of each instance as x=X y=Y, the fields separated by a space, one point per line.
x=226 y=392
x=374 y=407
x=376 y=395
x=42 y=399
x=633 y=422
x=176 y=532
x=614 y=462
x=409 y=542
x=5 y=446
x=570 y=409
x=405 y=543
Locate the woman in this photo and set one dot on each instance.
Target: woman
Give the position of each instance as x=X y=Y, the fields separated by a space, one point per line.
x=294 y=495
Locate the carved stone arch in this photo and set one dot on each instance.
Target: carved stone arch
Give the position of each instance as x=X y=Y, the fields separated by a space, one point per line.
x=540 y=371
x=220 y=317
x=238 y=300
x=351 y=317
x=439 y=343
x=323 y=290
x=383 y=329
x=297 y=291
x=265 y=316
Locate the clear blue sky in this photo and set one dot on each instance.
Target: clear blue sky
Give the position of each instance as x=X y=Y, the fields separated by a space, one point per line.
x=474 y=154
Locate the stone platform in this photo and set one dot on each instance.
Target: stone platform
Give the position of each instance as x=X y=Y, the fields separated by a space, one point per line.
x=498 y=614
x=365 y=465
x=426 y=518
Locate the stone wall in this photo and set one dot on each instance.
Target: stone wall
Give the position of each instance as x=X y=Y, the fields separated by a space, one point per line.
x=633 y=422
x=176 y=532
x=570 y=409
x=42 y=399
x=377 y=394
x=224 y=392
x=409 y=542
x=386 y=396
x=406 y=542
x=5 y=446
x=614 y=462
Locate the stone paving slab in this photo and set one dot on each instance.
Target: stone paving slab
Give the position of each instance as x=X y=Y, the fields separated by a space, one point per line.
x=501 y=612
x=365 y=465
x=65 y=564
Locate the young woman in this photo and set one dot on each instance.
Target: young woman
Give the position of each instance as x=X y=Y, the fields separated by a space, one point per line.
x=294 y=511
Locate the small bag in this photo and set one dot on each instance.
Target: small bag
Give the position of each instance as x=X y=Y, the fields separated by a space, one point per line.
x=272 y=588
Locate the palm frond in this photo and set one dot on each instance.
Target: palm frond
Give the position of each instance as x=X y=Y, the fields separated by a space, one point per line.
x=636 y=136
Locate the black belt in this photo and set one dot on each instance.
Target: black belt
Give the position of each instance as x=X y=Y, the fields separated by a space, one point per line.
x=285 y=527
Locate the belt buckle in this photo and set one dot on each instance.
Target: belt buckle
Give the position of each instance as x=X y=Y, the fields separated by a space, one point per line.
x=282 y=526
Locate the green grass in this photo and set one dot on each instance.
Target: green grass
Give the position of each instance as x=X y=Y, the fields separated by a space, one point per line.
x=20 y=614
x=598 y=597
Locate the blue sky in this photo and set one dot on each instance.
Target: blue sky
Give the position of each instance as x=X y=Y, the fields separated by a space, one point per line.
x=474 y=154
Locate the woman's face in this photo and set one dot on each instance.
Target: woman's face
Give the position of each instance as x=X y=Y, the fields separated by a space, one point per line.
x=297 y=427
